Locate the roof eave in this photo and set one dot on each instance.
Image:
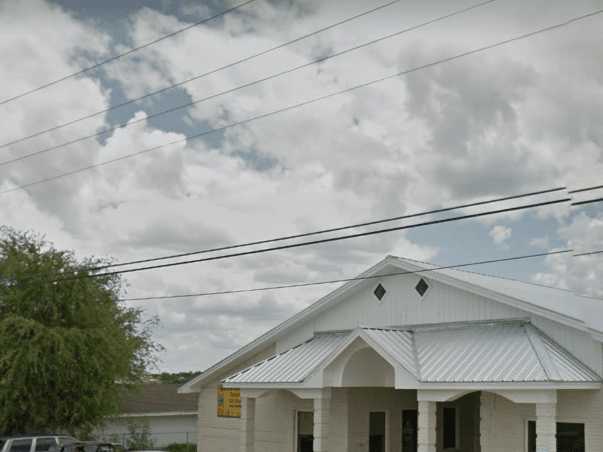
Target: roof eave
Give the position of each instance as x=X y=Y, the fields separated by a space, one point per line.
x=333 y=297
x=197 y=383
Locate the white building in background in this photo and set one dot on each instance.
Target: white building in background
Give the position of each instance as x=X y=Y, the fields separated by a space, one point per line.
x=170 y=417
x=440 y=360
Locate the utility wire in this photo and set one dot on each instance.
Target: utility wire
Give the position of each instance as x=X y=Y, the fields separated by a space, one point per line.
x=335 y=281
x=595 y=187
x=126 y=53
x=188 y=80
x=324 y=231
x=319 y=241
x=588 y=201
x=589 y=253
x=246 y=85
x=310 y=101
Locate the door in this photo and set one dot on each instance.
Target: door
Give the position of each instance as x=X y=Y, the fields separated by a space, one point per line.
x=410 y=437
x=377 y=427
x=305 y=431
x=570 y=437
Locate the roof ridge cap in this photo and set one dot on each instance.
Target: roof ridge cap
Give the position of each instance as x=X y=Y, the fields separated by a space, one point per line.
x=567 y=353
x=535 y=340
x=469 y=324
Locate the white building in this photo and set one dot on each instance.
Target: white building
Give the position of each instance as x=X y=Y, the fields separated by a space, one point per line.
x=169 y=417
x=442 y=360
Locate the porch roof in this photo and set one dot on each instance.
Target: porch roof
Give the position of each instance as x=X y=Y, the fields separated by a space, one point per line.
x=493 y=352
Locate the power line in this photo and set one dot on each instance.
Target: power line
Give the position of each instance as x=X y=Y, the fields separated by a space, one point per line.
x=126 y=53
x=320 y=241
x=341 y=280
x=307 y=102
x=334 y=229
x=589 y=253
x=245 y=85
x=595 y=187
x=588 y=201
x=186 y=81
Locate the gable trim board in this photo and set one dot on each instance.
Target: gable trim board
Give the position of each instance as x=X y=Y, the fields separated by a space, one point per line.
x=475 y=283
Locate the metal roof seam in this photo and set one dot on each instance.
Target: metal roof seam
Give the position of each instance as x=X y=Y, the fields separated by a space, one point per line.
x=504 y=353
x=344 y=343
x=397 y=345
x=538 y=347
x=568 y=355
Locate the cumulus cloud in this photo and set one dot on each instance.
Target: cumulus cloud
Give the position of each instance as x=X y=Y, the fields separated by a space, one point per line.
x=511 y=120
x=500 y=234
x=583 y=274
x=540 y=242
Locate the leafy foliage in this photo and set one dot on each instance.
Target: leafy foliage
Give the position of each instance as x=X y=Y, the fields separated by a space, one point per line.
x=139 y=435
x=176 y=377
x=65 y=340
x=181 y=447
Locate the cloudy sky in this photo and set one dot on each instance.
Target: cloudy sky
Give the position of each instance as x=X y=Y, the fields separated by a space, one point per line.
x=522 y=117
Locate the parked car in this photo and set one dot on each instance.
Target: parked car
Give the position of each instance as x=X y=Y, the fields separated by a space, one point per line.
x=97 y=446
x=34 y=443
x=90 y=446
x=147 y=450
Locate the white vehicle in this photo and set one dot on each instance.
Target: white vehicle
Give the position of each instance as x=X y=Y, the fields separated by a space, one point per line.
x=34 y=443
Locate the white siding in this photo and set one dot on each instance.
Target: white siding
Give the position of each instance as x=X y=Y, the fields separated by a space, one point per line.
x=402 y=306
x=587 y=407
x=504 y=423
x=274 y=423
x=348 y=426
x=442 y=303
x=164 y=430
x=365 y=400
x=579 y=343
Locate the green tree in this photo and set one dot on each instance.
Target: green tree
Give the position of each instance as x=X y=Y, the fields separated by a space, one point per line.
x=139 y=435
x=67 y=345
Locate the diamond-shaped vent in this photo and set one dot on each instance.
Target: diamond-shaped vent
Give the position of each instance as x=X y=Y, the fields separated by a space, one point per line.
x=380 y=292
x=422 y=287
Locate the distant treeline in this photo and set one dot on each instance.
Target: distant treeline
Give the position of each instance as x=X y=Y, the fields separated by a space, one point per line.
x=177 y=378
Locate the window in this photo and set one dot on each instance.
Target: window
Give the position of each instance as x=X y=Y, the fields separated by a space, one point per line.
x=422 y=287
x=43 y=444
x=380 y=291
x=449 y=428
x=305 y=431
x=377 y=432
x=20 y=445
x=570 y=437
x=409 y=431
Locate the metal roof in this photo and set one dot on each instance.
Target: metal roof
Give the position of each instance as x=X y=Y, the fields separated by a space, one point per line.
x=483 y=353
x=293 y=365
x=563 y=306
x=495 y=352
x=398 y=344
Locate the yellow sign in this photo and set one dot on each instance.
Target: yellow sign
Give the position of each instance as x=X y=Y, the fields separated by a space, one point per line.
x=229 y=402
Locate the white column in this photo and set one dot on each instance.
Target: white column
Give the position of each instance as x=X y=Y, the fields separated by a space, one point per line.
x=321 y=421
x=247 y=424
x=546 y=427
x=427 y=426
